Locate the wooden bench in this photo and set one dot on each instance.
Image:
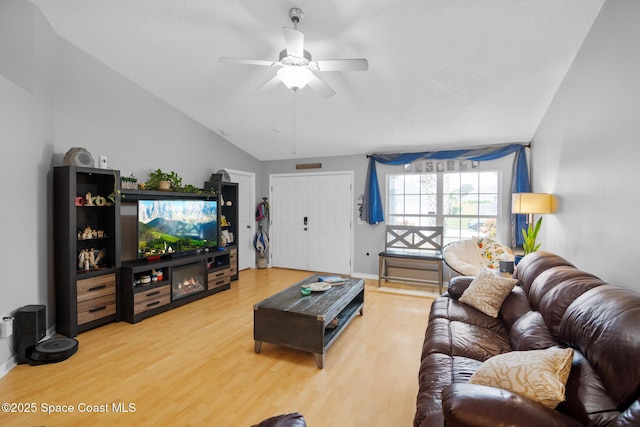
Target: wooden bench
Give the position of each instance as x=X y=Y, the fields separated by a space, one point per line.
x=412 y=254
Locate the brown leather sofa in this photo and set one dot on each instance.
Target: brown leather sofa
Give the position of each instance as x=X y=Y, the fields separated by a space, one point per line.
x=294 y=419
x=554 y=304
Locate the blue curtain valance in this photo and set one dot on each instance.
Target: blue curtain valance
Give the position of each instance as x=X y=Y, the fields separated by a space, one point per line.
x=373 y=210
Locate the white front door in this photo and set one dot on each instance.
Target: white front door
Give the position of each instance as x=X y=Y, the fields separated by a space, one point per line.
x=330 y=223
x=311 y=222
x=289 y=237
x=246 y=218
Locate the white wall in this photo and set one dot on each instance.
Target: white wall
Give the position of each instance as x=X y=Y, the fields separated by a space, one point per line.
x=587 y=151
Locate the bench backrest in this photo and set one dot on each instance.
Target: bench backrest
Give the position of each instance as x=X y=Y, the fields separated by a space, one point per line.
x=413 y=237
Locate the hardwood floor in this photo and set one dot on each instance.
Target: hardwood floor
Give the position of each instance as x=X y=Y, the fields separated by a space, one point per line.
x=196 y=366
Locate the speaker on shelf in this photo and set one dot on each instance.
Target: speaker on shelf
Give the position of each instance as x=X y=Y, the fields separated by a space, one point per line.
x=29 y=327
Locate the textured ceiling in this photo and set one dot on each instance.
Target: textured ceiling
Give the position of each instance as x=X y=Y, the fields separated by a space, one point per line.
x=442 y=73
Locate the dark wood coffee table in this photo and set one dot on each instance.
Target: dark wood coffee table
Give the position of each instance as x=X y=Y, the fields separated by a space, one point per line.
x=289 y=319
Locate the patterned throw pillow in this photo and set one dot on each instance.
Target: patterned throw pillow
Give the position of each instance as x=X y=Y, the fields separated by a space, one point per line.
x=539 y=375
x=492 y=252
x=487 y=292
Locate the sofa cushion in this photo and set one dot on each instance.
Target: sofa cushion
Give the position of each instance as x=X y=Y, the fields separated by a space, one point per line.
x=587 y=399
x=487 y=292
x=514 y=307
x=603 y=324
x=438 y=371
x=533 y=264
x=473 y=405
x=464 y=340
x=531 y=333
x=459 y=284
x=539 y=375
x=555 y=289
x=453 y=310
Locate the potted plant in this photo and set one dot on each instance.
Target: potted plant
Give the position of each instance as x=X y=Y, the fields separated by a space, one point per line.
x=160 y=180
x=529 y=245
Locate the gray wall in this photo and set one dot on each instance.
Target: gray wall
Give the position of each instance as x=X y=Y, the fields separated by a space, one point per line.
x=587 y=151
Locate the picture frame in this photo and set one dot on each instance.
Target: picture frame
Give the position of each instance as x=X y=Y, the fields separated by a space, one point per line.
x=451 y=165
x=428 y=167
x=418 y=167
x=440 y=166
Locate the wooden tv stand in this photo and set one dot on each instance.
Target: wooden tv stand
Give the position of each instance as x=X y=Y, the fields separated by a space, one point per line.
x=142 y=300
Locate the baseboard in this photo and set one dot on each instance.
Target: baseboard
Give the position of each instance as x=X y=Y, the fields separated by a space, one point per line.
x=8 y=365
x=11 y=363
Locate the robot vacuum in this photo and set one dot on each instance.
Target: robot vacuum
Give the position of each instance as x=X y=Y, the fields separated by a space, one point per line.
x=53 y=350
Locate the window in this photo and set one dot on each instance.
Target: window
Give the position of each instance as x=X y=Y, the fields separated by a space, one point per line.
x=464 y=203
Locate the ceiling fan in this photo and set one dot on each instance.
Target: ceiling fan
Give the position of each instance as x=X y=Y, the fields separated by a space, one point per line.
x=296 y=66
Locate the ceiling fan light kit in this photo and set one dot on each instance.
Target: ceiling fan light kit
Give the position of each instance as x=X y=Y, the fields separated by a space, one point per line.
x=294 y=77
x=296 y=64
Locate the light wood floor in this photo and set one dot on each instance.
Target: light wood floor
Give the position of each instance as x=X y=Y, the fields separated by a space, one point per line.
x=196 y=366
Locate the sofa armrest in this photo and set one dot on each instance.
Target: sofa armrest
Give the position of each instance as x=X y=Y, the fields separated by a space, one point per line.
x=459 y=284
x=470 y=405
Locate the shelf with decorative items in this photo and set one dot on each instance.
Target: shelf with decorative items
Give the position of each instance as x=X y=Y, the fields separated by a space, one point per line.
x=229 y=218
x=86 y=247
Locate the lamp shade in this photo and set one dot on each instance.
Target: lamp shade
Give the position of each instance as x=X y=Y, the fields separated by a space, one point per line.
x=295 y=77
x=531 y=203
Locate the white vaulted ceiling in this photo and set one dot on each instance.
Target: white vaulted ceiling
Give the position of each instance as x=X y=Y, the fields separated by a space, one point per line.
x=442 y=73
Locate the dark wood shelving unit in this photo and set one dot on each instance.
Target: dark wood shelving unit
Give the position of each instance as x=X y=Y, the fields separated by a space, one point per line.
x=85 y=298
x=229 y=209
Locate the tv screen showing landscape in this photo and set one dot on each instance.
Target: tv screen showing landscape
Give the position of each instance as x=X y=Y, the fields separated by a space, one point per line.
x=176 y=226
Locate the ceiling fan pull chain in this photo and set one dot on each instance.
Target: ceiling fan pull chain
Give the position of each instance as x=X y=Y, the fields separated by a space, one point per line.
x=293 y=124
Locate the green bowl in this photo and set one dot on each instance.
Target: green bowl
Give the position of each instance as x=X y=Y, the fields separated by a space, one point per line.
x=305 y=291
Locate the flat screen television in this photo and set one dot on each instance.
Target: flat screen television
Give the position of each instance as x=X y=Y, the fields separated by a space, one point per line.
x=176 y=226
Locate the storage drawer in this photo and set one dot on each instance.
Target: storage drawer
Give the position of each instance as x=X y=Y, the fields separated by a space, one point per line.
x=96 y=308
x=94 y=287
x=152 y=298
x=219 y=278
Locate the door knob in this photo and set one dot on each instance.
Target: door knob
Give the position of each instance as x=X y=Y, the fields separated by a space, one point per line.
x=305 y=229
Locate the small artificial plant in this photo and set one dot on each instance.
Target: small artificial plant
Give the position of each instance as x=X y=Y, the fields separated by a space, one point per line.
x=530 y=235
x=153 y=183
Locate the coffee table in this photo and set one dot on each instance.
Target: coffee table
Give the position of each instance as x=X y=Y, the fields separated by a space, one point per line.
x=289 y=319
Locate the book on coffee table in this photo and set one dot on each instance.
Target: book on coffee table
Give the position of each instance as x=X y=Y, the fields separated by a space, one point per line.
x=334 y=280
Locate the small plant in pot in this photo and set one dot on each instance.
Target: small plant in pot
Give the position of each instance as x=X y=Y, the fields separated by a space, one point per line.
x=159 y=180
x=530 y=235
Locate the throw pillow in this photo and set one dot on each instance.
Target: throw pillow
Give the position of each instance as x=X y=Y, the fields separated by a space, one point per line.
x=487 y=292
x=492 y=252
x=539 y=375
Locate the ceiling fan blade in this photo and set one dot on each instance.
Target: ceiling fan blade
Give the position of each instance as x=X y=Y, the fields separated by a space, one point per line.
x=270 y=84
x=321 y=87
x=249 y=61
x=294 y=42
x=360 y=64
